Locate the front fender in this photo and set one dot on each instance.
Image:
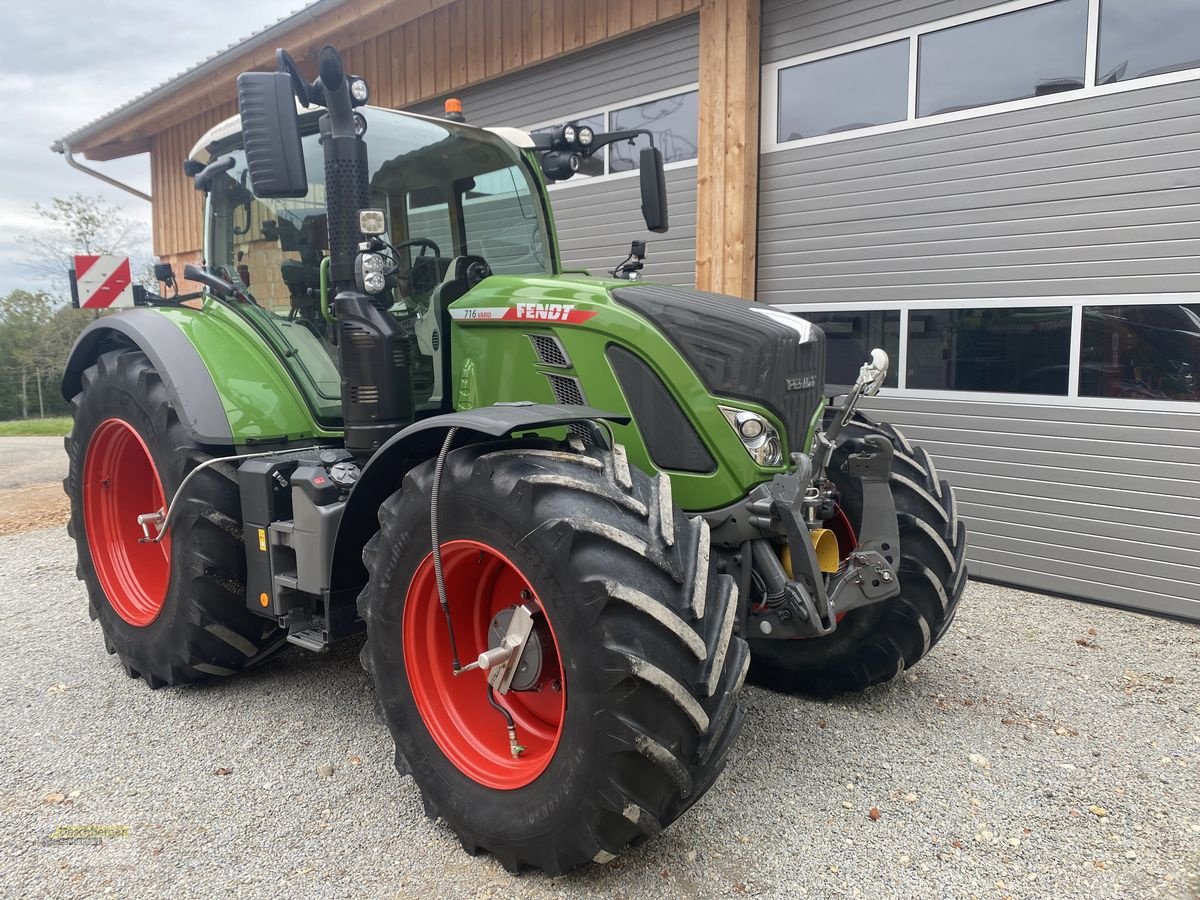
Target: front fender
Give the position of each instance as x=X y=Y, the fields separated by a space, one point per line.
x=418 y=442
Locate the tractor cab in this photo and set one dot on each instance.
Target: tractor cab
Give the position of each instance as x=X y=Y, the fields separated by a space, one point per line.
x=460 y=203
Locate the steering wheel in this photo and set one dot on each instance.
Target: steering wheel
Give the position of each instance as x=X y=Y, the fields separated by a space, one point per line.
x=423 y=243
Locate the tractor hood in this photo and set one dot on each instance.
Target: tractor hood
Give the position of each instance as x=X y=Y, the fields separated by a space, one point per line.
x=740 y=349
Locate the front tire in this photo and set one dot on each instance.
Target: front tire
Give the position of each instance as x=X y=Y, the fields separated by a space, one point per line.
x=173 y=612
x=636 y=707
x=875 y=643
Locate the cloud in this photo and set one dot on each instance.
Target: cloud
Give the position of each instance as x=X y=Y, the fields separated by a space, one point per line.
x=62 y=69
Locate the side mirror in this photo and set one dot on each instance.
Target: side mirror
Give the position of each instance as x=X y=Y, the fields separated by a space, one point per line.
x=271 y=135
x=654 y=189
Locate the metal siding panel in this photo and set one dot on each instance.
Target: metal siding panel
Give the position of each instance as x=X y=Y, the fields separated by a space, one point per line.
x=1147 y=540
x=1094 y=502
x=1008 y=569
x=596 y=222
x=655 y=59
x=1036 y=202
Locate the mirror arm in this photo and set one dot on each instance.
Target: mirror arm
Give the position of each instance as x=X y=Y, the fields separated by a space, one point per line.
x=544 y=140
x=205 y=176
x=206 y=278
x=612 y=137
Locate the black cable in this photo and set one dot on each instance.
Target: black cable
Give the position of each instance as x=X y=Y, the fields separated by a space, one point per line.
x=437 y=544
x=491 y=695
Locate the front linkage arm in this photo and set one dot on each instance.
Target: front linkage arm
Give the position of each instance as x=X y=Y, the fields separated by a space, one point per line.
x=803 y=602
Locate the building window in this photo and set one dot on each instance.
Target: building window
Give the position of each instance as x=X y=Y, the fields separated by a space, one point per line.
x=674 y=122
x=1029 y=53
x=1141 y=352
x=851 y=335
x=1147 y=37
x=841 y=93
x=1024 y=350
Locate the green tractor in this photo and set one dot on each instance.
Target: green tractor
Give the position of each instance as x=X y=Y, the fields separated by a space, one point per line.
x=570 y=514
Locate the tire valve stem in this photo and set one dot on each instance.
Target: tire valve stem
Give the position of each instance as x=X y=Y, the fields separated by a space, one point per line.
x=514 y=747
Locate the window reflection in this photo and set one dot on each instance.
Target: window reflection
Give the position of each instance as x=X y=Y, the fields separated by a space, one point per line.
x=1147 y=37
x=854 y=90
x=673 y=122
x=1022 y=54
x=1142 y=352
x=1013 y=351
x=850 y=336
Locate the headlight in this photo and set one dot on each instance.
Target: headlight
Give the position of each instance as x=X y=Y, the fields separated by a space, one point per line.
x=358 y=90
x=371 y=272
x=586 y=136
x=372 y=221
x=569 y=134
x=757 y=434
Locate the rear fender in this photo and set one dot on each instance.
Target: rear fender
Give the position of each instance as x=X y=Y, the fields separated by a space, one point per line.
x=227 y=385
x=186 y=378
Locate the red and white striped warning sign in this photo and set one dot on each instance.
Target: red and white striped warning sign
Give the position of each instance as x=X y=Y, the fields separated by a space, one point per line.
x=103 y=282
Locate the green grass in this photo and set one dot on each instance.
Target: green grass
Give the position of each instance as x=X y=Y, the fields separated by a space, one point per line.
x=54 y=426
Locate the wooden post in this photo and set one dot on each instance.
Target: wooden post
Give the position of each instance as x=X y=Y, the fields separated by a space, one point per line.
x=727 y=169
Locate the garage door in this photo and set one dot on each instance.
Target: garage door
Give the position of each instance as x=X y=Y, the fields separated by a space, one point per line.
x=1029 y=263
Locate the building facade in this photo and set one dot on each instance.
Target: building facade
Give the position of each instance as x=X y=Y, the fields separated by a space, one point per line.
x=1006 y=197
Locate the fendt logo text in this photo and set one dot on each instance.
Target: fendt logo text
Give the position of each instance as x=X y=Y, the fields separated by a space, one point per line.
x=548 y=312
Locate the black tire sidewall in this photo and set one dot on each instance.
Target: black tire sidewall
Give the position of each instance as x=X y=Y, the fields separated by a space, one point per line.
x=115 y=394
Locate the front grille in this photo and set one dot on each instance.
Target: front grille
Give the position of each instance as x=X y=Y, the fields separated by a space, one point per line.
x=550 y=352
x=740 y=349
x=566 y=389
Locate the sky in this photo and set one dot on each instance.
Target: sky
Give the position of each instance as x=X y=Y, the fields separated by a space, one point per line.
x=64 y=64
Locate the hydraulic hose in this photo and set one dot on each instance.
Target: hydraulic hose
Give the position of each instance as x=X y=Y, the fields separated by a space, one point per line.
x=438 y=467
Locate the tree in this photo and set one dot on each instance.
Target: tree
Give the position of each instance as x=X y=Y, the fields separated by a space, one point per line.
x=83 y=225
x=36 y=334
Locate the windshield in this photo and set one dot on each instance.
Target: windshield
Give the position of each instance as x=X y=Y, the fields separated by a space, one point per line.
x=449 y=191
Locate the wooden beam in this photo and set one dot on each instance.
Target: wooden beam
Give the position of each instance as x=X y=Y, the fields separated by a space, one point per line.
x=727 y=168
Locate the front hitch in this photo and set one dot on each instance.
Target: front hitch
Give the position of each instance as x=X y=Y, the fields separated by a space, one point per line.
x=803 y=602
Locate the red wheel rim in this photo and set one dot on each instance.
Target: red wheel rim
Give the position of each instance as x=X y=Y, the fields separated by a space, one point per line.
x=120 y=482
x=480 y=582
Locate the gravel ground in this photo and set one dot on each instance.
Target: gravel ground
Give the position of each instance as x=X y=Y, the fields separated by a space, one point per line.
x=1046 y=749
x=26 y=461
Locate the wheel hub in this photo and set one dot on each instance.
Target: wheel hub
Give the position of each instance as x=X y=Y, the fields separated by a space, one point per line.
x=529 y=666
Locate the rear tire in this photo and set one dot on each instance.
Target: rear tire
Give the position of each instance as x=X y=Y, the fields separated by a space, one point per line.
x=172 y=615
x=642 y=627
x=875 y=643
